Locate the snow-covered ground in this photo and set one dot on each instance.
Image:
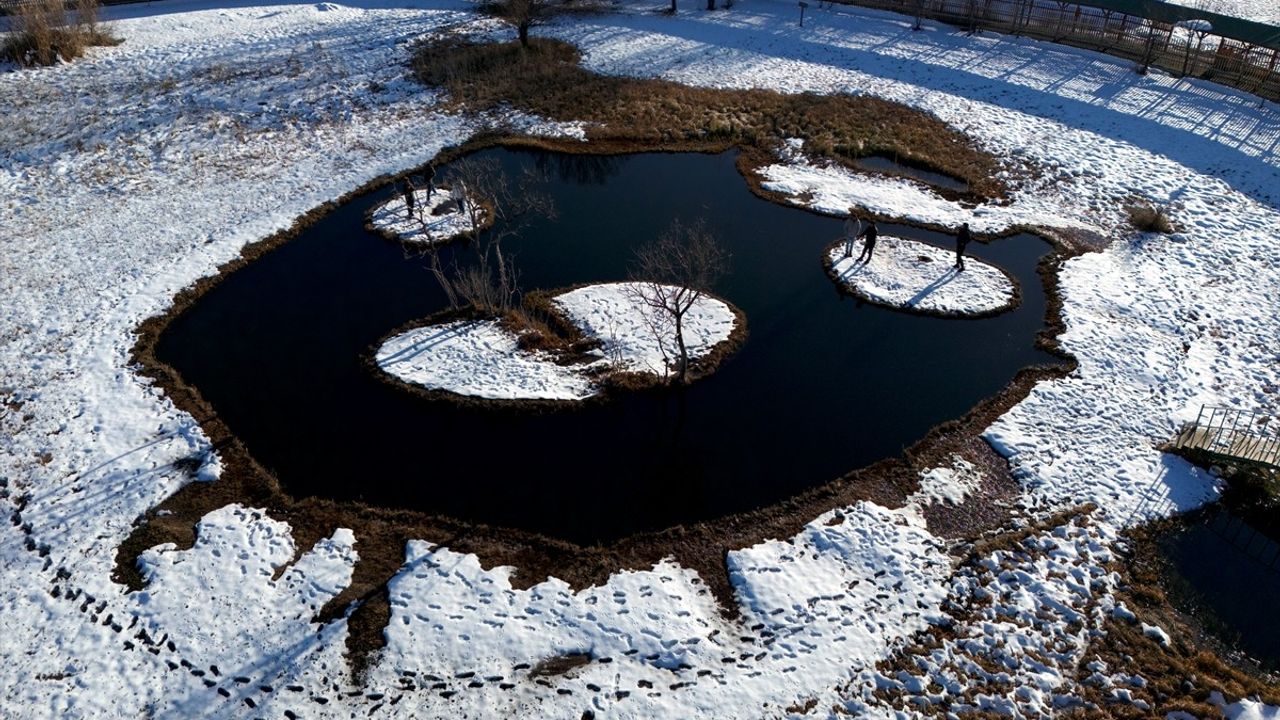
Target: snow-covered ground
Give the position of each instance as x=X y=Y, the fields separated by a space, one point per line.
x=1266 y=11
x=481 y=358
x=913 y=275
x=833 y=189
x=129 y=175
x=437 y=217
x=637 y=338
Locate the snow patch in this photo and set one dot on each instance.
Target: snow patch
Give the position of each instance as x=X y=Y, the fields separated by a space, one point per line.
x=949 y=485
x=481 y=358
x=437 y=217
x=637 y=338
x=1246 y=709
x=913 y=275
x=1157 y=633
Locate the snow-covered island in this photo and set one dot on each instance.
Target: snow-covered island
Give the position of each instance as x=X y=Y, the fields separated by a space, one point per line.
x=916 y=276
x=485 y=359
x=437 y=217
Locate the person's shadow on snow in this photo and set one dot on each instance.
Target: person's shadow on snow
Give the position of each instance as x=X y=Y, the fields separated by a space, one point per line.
x=951 y=274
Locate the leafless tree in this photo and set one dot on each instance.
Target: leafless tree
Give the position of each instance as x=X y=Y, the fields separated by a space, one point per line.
x=495 y=210
x=672 y=273
x=1200 y=29
x=1158 y=35
x=524 y=14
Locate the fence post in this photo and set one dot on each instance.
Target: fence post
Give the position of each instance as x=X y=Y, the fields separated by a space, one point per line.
x=1023 y=9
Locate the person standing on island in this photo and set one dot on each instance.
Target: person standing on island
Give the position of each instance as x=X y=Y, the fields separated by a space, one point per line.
x=868 y=236
x=458 y=193
x=408 y=196
x=430 y=175
x=851 y=227
x=962 y=240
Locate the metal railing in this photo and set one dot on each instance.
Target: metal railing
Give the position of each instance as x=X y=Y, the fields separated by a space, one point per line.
x=1242 y=436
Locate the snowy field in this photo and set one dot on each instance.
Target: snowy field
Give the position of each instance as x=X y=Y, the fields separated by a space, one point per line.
x=912 y=275
x=129 y=175
x=481 y=358
x=1267 y=11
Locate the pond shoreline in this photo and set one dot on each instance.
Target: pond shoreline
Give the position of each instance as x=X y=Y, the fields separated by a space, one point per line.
x=1197 y=653
x=383 y=532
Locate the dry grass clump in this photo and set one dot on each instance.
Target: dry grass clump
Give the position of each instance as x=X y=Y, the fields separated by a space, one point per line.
x=1149 y=218
x=629 y=113
x=540 y=325
x=46 y=31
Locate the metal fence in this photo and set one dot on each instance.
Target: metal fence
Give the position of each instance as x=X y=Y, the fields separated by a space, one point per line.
x=1182 y=41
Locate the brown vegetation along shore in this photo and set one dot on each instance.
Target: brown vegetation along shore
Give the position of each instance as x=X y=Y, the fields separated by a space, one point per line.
x=1181 y=675
x=635 y=114
x=45 y=32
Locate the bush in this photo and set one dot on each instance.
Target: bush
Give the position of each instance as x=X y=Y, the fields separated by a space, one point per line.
x=1149 y=218
x=45 y=32
x=458 y=65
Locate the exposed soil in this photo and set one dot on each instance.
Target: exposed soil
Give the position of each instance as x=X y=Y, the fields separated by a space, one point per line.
x=381 y=533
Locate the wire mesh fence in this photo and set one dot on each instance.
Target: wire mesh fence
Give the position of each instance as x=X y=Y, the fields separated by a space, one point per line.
x=1192 y=46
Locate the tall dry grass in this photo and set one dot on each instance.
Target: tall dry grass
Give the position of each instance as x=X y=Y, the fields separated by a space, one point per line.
x=546 y=79
x=48 y=31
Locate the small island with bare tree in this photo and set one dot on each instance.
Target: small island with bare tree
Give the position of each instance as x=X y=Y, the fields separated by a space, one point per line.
x=662 y=327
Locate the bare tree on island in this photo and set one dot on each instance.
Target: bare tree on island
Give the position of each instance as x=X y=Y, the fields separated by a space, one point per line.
x=494 y=210
x=524 y=14
x=671 y=274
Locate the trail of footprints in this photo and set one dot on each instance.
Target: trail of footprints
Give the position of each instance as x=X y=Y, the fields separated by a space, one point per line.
x=253 y=694
x=740 y=654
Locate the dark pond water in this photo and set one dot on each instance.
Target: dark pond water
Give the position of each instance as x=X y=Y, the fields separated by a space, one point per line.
x=880 y=163
x=1228 y=573
x=821 y=387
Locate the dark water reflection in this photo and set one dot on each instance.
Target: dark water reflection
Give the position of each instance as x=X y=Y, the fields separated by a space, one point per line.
x=821 y=387
x=1227 y=572
x=880 y=163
